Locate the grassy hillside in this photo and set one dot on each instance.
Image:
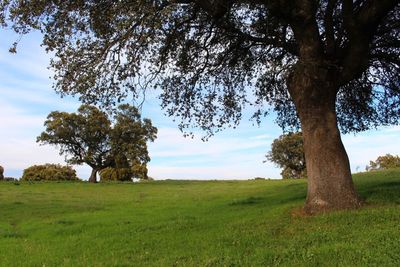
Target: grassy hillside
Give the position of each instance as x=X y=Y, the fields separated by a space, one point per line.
x=187 y=223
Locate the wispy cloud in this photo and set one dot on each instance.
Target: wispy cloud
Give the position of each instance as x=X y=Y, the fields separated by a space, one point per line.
x=206 y=172
x=223 y=157
x=268 y=137
x=171 y=143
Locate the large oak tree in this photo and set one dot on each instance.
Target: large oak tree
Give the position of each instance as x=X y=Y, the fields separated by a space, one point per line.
x=326 y=65
x=91 y=137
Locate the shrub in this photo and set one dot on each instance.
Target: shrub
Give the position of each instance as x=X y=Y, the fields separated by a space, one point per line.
x=49 y=172
x=116 y=174
x=138 y=171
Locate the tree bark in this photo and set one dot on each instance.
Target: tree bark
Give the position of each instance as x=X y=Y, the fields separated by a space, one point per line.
x=93 y=176
x=330 y=184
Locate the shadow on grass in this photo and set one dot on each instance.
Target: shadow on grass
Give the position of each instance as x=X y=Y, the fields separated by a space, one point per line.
x=247 y=201
x=288 y=194
x=382 y=193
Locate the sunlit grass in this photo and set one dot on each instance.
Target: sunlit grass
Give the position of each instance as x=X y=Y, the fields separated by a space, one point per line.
x=190 y=223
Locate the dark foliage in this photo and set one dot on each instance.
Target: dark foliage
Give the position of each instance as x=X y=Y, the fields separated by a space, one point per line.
x=210 y=57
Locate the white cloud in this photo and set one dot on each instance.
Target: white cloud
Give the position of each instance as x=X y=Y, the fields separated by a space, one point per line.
x=225 y=167
x=18 y=154
x=18 y=147
x=204 y=173
x=264 y=137
x=19 y=131
x=21 y=153
x=222 y=157
x=171 y=143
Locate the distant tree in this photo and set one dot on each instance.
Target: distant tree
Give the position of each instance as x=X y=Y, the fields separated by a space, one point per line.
x=325 y=65
x=83 y=137
x=88 y=136
x=49 y=172
x=288 y=153
x=129 y=137
x=1 y=173
x=384 y=162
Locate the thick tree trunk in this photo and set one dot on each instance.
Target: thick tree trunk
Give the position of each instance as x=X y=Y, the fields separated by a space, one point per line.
x=93 y=176
x=330 y=184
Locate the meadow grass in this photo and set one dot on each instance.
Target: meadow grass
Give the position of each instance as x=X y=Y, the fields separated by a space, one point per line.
x=196 y=223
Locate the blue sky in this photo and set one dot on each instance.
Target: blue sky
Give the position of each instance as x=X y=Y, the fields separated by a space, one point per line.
x=26 y=98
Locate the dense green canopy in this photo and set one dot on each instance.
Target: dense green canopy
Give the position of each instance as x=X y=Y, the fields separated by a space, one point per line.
x=288 y=153
x=91 y=137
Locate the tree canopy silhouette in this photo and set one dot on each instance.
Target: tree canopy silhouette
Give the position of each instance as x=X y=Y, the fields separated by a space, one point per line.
x=325 y=65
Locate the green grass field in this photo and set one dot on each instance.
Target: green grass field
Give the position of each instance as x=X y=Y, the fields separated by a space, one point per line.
x=190 y=223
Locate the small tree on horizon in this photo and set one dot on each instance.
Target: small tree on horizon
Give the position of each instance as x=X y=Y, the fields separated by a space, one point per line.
x=288 y=153
x=90 y=137
x=387 y=161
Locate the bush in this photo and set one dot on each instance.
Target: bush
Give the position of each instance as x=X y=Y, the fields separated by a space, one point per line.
x=116 y=174
x=49 y=172
x=384 y=162
x=138 y=171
